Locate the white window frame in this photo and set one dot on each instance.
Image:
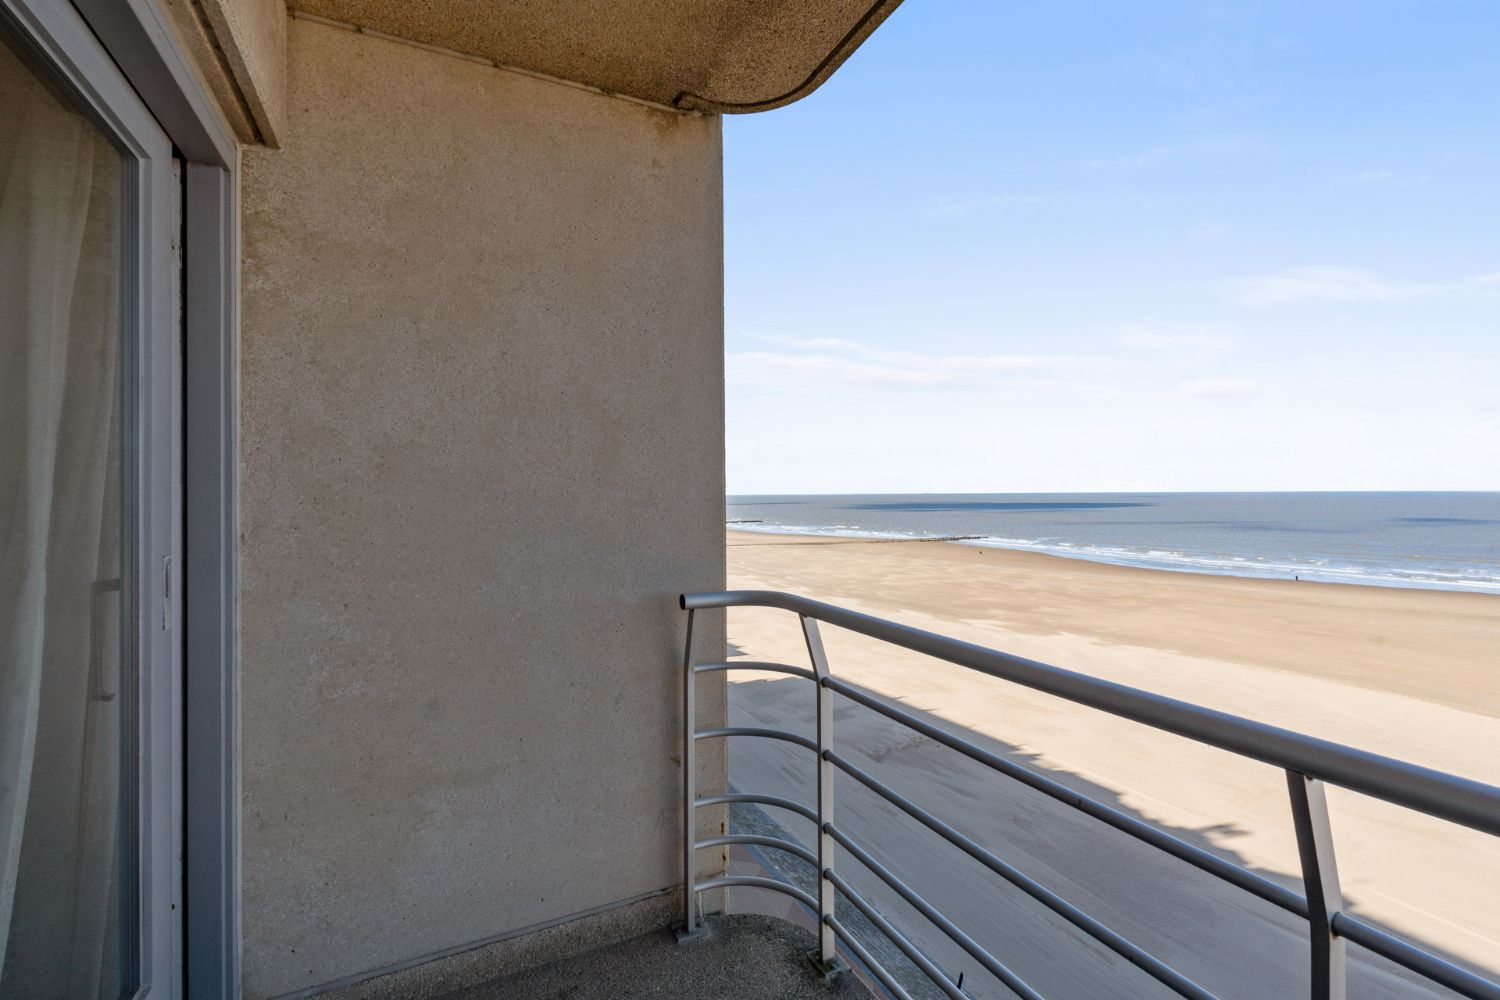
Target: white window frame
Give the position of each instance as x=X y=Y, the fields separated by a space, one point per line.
x=151 y=453
x=126 y=67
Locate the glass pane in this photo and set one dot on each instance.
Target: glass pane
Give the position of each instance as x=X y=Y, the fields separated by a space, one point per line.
x=64 y=880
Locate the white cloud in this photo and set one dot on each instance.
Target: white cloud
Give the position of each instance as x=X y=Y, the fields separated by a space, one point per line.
x=1218 y=387
x=810 y=343
x=1334 y=283
x=1159 y=156
x=1270 y=417
x=1329 y=283
x=1178 y=336
x=947 y=207
x=1369 y=177
x=832 y=359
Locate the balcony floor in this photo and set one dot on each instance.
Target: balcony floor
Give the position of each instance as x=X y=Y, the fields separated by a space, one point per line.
x=744 y=957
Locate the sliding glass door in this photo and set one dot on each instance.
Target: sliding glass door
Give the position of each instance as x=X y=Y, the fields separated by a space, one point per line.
x=89 y=659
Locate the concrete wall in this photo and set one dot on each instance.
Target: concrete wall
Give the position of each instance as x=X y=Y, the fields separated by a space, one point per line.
x=240 y=48
x=252 y=36
x=482 y=451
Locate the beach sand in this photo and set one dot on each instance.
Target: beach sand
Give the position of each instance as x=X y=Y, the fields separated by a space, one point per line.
x=1407 y=673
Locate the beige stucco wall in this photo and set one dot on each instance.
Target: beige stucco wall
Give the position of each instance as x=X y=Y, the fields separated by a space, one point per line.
x=482 y=450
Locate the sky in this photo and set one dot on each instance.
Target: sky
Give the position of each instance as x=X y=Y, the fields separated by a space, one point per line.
x=1115 y=245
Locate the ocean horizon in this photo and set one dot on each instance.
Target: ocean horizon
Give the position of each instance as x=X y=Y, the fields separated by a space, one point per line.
x=1431 y=541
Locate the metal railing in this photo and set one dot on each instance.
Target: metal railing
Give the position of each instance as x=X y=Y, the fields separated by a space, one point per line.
x=1309 y=763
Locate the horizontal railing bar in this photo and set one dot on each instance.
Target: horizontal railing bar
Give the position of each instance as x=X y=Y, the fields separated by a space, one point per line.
x=939 y=978
x=761 y=800
x=775 y=668
x=1459 y=800
x=860 y=952
x=1126 y=949
x=977 y=951
x=759 y=841
x=757 y=882
x=1409 y=956
x=1177 y=847
x=770 y=734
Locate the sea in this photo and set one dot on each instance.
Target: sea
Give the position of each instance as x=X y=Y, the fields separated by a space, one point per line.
x=1437 y=541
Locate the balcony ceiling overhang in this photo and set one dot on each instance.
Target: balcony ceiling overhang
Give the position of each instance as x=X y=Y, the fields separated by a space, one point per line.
x=721 y=56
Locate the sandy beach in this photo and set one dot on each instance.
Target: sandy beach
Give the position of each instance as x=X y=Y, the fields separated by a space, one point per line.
x=1409 y=673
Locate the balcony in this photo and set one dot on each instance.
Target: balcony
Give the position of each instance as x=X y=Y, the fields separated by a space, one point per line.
x=745 y=957
x=830 y=876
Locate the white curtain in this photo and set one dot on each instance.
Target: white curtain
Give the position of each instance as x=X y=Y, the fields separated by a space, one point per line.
x=60 y=703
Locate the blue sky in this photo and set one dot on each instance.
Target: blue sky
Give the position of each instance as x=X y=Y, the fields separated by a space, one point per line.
x=1042 y=246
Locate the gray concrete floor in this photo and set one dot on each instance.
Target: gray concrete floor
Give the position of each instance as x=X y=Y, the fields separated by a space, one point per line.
x=744 y=957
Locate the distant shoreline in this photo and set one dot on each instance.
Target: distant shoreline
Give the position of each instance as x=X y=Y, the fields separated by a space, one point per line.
x=1250 y=570
x=754 y=537
x=1170 y=609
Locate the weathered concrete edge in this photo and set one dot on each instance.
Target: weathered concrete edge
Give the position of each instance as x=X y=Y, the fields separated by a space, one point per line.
x=239 y=48
x=528 y=947
x=443 y=50
x=251 y=34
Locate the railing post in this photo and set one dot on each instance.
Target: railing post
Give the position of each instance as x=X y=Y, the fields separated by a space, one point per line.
x=689 y=789
x=1320 y=877
x=826 y=959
